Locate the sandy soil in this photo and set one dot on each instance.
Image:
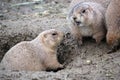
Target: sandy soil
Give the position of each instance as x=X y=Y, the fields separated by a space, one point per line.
x=88 y=62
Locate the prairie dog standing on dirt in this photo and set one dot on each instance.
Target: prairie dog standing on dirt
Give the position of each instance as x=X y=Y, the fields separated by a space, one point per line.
x=36 y=55
x=87 y=19
x=113 y=23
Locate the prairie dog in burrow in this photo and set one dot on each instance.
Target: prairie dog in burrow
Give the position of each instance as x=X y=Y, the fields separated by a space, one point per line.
x=36 y=55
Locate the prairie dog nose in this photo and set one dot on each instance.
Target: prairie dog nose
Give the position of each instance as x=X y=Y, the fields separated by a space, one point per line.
x=76 y=21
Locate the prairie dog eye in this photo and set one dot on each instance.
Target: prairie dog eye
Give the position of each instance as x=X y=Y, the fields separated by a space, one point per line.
x=83 y=11
x=55 y=33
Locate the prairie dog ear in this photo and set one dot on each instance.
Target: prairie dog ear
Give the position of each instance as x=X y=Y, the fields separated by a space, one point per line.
x=44 y=35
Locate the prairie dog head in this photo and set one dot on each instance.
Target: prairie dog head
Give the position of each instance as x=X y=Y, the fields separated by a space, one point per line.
x=51 y=38
x=82 y=14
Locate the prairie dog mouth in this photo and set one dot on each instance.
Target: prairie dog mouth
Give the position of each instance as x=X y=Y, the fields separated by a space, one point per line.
x=78 y=20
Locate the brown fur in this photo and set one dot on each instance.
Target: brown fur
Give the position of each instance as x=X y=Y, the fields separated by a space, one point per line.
x=113 y=23
x=91 y=16
x=36 y=55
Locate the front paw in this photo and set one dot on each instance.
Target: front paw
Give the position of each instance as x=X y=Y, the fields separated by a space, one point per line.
x=59 y=67
x=98 y=39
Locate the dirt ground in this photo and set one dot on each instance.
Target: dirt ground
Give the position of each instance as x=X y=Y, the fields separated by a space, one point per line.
x=20 y=22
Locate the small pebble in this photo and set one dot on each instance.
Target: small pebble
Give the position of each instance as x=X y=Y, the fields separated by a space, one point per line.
x=108 y=75
x=5 y=11
x=46 y=13
x=88 y=62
